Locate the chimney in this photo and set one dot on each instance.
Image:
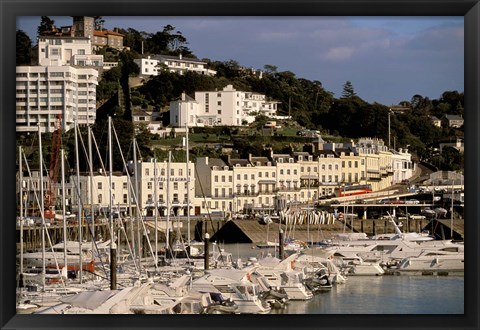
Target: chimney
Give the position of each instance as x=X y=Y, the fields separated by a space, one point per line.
x=180 y=56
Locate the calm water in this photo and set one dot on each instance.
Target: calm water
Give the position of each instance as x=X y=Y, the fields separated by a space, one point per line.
x=377 y=294
x=387 y=295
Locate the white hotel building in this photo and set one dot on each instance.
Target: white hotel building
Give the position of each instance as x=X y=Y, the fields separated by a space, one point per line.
x=226 y=107
x=154 y=65
x=74 y=51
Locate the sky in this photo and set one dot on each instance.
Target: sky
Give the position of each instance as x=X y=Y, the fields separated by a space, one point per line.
x=387 y=59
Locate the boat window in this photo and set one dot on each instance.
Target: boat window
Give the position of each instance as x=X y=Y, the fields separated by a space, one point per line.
x=241 y=289
x=251 y=290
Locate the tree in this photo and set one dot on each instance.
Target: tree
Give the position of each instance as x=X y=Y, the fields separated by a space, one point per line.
x=46 y=25
x=23 y=48
x=98 y=22
x=348 y=90
x=270 y=68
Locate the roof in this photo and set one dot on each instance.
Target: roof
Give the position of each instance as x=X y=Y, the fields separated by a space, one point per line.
x=453 y=117
x=241 y=162
x=140 y=112
x=177 y=58
x=435 y=227
x=252 y=231
x=105 y=33
x=263 y=161
x=216 y=162
x=326 y=152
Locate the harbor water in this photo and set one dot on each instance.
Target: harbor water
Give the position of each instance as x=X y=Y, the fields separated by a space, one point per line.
x=387 y=294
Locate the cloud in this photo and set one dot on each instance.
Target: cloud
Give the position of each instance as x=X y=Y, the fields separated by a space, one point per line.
x=276 y=36
x=339 y=53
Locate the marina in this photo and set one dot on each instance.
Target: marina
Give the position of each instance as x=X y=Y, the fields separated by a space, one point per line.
x=305 y=213
x=245 y=278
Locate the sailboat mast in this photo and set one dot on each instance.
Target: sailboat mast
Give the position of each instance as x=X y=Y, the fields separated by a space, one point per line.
x=62 y=167
x=188 y=182
x=79 y=206
x=113 y=247
x=42 y=205
x=167 y=230
x=155 y=200
x=137 y=211
x=20 y=198
x=92 y=211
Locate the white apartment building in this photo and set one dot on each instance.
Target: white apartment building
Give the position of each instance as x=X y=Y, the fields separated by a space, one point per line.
x=220 y=107
x=98 y=187
x=154 y=65
x=403 y=166
x=184 y=112
x=214 y=185
x=65 y=50
x=254 y=104
x=43 y=93
x=330 y=171
x=266 y=175
x=227 y=107
x=309 y=176
x=288 y=177
x=165 y=183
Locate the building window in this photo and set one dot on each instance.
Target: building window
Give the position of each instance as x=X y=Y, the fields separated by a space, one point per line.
x=99 y=185
x=149 y=185
x=175 y=186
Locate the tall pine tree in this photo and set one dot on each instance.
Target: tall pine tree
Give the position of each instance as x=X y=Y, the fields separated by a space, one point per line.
x=348 y=90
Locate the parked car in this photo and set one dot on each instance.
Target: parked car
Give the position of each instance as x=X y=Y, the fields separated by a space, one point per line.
x=412 y=201
x=417 y=217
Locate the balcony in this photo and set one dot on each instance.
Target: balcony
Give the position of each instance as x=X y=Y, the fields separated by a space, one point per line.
x=245 y=194
x=287 y=189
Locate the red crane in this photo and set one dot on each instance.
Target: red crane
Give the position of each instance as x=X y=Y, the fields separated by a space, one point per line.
x=50 y=194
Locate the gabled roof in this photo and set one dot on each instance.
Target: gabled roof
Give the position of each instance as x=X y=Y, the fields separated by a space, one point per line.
x=241 y=162
x=216 y=162
x=263 y=160
x=105 y=33
x=453 y=117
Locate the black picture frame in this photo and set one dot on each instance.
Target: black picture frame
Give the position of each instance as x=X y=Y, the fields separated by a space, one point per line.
x=10 y=9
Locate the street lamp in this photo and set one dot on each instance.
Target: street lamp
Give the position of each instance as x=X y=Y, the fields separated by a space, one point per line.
x=389 y=112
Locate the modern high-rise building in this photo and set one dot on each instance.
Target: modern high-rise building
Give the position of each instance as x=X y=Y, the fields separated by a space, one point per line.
x=46 y=93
